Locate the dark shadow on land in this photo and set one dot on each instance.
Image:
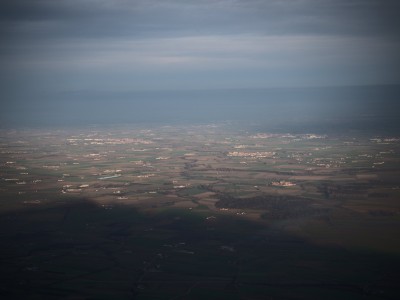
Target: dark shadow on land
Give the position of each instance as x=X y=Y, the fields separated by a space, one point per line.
x=82 y=250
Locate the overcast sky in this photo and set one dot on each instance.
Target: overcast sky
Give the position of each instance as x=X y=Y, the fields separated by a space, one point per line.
x=52 y=47
x=151 y=44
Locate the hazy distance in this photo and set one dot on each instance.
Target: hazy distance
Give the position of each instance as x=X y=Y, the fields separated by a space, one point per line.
x=338 y=109
x=274 y=63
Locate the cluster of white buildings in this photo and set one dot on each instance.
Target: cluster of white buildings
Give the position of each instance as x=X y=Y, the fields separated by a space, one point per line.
x=258 y=154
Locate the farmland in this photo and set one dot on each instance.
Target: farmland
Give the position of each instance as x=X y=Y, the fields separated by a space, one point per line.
x=187 y=212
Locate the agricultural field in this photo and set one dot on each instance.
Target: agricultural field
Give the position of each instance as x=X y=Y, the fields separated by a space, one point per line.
x=188 y=212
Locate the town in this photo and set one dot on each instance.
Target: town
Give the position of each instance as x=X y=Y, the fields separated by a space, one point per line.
x=166 y=202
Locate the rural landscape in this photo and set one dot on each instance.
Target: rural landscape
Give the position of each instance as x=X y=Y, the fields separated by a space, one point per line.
x=188 y=212
x=191 y=150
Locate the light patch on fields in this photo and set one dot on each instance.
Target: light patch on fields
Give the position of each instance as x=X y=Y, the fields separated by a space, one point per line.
x=204 y=195
x=210 y=203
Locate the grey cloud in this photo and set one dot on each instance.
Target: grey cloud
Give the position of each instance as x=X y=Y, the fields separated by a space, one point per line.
x=73 y=44
x=89 y=18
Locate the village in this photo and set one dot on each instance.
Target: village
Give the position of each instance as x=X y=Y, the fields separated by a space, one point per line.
x=163 y=203
x=140 y=165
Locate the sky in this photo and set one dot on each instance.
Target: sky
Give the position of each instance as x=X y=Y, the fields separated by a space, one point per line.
x=54 y=50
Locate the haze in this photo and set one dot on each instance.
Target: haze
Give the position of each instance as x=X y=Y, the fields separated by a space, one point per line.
x=70 y=62
x=215 y=149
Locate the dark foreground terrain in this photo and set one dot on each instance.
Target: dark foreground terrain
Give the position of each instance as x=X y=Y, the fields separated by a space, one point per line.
x=82 y=251
x=198 y=213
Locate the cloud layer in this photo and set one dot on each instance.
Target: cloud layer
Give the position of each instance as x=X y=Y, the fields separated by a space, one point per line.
x=56 y=46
